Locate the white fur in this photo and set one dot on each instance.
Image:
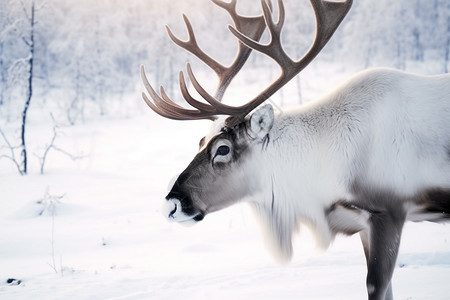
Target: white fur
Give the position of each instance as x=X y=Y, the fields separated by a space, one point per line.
x=385 y=128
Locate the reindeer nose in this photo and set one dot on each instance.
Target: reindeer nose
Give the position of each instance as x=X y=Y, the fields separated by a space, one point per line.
x=172 y=209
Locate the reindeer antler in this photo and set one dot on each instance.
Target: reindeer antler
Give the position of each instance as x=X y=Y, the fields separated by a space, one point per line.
x=250 y=26
x=248 y=31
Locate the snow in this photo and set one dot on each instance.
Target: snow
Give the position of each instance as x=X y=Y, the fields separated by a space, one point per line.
x=93 y=229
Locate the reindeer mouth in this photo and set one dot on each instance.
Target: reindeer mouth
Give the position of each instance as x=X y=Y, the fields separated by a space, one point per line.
x=174 y=211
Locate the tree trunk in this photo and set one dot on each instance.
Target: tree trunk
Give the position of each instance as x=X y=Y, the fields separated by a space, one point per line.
x=29 y=93
x=2 y=77
x=447 y=48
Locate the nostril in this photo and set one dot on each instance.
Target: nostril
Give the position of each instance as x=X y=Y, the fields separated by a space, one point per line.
x=173 y=212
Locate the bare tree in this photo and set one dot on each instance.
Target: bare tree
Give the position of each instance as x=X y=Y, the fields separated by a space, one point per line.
x=2 y=73
x=447 y=41
x=447 y=50
x=24 y=63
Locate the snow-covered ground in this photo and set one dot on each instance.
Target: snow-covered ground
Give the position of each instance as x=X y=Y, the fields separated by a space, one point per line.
x=92 y=229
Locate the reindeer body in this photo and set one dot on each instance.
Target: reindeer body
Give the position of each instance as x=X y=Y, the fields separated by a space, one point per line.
x=379 y=140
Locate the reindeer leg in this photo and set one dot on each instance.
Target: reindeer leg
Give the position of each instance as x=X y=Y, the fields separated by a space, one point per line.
x=364 y=235
x=381 y=243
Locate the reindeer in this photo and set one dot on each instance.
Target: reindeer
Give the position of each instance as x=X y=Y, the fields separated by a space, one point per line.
x=364 y=159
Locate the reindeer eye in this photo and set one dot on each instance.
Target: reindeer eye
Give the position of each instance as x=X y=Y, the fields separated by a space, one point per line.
x=223 y=150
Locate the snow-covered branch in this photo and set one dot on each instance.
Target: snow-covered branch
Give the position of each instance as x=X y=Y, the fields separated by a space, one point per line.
x=52 y=145
x=11 y=156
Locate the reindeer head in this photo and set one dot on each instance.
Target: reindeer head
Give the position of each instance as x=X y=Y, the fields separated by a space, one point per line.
x=223 y=172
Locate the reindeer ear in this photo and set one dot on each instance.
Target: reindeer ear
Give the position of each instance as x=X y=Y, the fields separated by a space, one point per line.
x=261 y=121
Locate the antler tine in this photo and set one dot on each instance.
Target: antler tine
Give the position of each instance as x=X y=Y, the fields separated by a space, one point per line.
x=219 y=107
x=274 y=27
x=250 y=26
x=226 y=5
x=329 y=15
x=189 y=99
x=163 y=104
x=169 y=109
x=192 y=46
x=274 y=49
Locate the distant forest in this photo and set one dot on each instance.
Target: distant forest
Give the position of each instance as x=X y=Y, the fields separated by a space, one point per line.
x=83 y=56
